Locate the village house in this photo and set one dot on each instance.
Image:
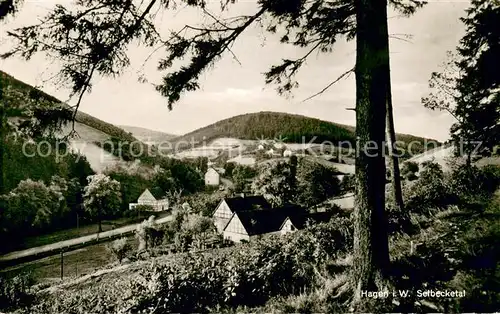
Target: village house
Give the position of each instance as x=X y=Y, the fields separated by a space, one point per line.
x=228 y=206
x=212 y=177
x=246 y=225
x=146 y=198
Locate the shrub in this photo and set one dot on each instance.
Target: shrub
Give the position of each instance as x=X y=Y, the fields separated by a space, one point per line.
x=429 y=191
x=140 y=209
x=269 y=267
x=119 y=248
x=347 y=183
x=409 y=170
x=473 y=182
x=15 y=291
x=149 y=234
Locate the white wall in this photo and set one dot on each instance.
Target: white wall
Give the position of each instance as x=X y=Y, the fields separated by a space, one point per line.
x=221 y=216
x=287 y=227
x=212 y=178
x=235 y=230
x=236 y=237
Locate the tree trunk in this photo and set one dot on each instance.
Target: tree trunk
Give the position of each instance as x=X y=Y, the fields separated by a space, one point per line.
x=3 y=129
x=99 y=215
x=397 y=194
x=371 y=249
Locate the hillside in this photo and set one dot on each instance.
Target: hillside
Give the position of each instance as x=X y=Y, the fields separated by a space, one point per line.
x=147 y=135
x=289 y=128
x=81 y=117
x=88 y=128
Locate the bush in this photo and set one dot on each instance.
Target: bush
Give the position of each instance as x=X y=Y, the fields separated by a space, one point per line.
x=430 y=190
x=267 y=267
x=139 y=210
x=471 y=182
x=148 y=234
x=119 y=248
x=271 y=266
x=15 y=291
x=409 y=170
x=347 y=183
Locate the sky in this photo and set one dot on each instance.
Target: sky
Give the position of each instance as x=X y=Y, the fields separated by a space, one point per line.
x=237 y=87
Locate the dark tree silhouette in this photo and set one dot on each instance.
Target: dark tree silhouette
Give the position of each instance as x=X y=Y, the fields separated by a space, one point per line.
x=467 y=87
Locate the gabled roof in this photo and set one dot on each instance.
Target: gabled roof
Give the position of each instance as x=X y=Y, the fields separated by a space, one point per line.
x=247 y=203
x=211 y=171
x=147 y=194
x=266 y=220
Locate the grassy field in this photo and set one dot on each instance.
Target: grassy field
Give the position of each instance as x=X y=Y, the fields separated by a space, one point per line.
x=76 y=263
x=81 y=231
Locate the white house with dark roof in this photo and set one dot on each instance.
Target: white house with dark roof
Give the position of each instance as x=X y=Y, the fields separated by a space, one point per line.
x=228 y=206
x=146 y=198
x=248 y=224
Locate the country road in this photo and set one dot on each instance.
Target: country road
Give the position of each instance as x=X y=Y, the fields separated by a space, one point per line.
x=74 y=242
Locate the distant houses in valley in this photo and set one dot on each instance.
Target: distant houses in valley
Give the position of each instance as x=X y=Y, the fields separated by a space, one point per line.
x=212 y=177
x=146 y=198
x=244 y=218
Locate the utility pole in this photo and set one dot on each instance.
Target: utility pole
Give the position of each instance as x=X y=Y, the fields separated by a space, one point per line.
x=62 y=263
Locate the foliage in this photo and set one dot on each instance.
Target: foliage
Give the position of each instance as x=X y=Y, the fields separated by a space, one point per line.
x=32 y=92
x=41 y=165
x=347 y=183
x=178 y=176
x=471 y=181
x=245 y=275
x=132 y=183
x=119 y=248
x=140 y=210
x=15 y=291
x=303 y=182
x=33 y=206
x=277 y=183
x=241 y=175
x=37 y=115
x=149 y=234
x=102 y=196
x=431 y=190
x=229 y=169
x=316 y=183
x=204 y=203
x=188 y=231
x=409 y=170
x=467 y=88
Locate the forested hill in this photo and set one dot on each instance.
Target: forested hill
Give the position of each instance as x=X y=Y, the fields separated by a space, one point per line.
x=147 y=135
x=290 y=128
x=88 y=121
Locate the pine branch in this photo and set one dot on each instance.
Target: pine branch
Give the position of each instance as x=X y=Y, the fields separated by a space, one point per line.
x=345 y=74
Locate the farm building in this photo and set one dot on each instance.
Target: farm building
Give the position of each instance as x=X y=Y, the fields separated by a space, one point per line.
x=146 y=198
x=212 y=177
x=245 y=225
x=228 y=206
